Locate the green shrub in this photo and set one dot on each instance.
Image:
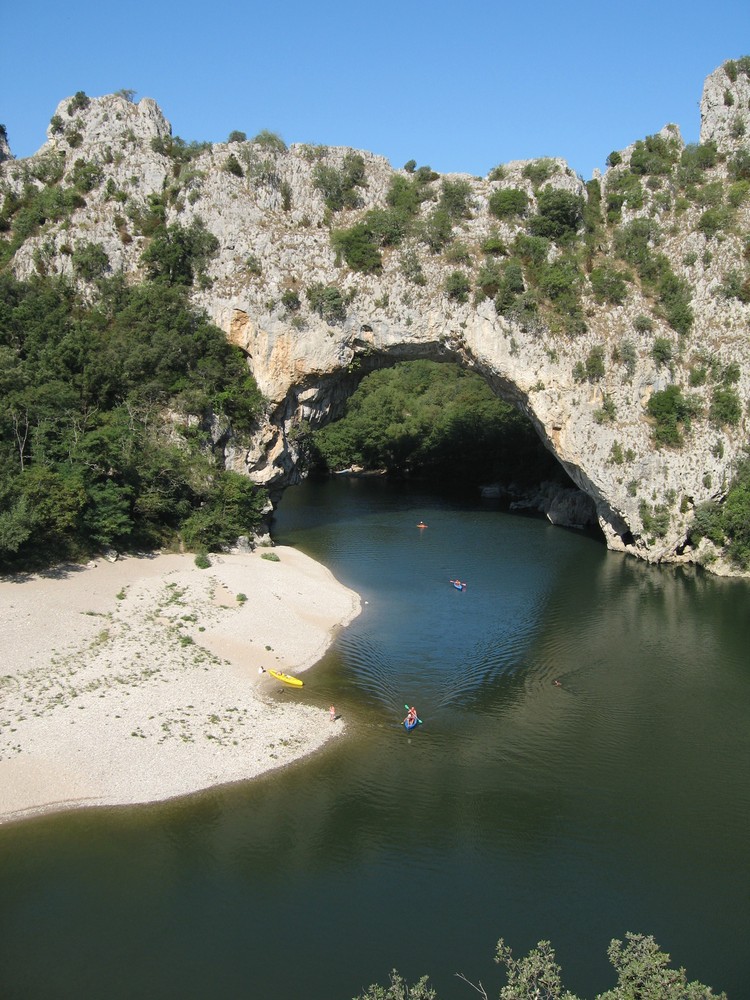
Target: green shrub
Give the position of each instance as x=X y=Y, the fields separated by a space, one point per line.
x=737 y=128
x=253 y=266
x=594 y=364
x=459 y=253
x=694 y=161
x=271 y=141
x=177 y=255
x=738 y=166
x=643 y=324
x=425 y=175
x=608 y=285
x=655 y=519
x=627 y=355
x=614 y=159
x=436 y=230
x=327 y=301
x=231 y=510
x=634 y=241
x=506 y=203
x=232 y=166
x=339 y=185
x=49 y=168
x=738 y=192
x=489 y=278
x=654 y=155
x=672 y=413
x=714 y=221
x=608 y=411
x=406 y=194
x=202 y=561
x=510 y=286
x=559 y=278
x=388 y=225
x=291 y=300
x=236 y=136
x=86 y=176
x=412 y=270
x=539 y=171
x=675 y=295
x=728 y=524
x=735 y=285
x=623 y=189
x=79 y=102
x=358 y=246
x=592 y=210
x=494 y=245
x=560 y=214
x=456 y=198
x=90 y=261
x=726 y=408
x=662 y=351
x=271 y=557
x=457 y=286
x=532 y=250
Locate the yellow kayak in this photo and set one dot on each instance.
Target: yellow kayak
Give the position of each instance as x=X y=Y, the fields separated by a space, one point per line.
x=286 y=678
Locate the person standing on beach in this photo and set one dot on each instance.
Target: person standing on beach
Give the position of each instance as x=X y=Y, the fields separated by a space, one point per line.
x=332 y=710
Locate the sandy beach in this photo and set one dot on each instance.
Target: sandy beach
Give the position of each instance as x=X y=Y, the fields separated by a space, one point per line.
x=139 y=680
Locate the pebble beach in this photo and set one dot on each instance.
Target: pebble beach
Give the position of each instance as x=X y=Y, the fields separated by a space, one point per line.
x=140 y=680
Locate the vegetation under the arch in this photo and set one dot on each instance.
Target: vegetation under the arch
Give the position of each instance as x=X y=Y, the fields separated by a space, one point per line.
x=436 y=422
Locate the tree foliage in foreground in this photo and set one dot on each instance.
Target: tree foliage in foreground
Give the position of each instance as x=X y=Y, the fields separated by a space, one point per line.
x=434 y=421
x=644 y=972
x=109 y=415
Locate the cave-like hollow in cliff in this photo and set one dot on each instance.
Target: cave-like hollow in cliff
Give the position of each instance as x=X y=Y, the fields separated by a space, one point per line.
x=480 y=441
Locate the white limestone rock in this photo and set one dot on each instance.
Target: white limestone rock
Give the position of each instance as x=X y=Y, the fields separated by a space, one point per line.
x=725 y=107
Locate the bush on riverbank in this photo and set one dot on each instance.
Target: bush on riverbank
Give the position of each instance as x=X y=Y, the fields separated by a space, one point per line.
x=112 y=415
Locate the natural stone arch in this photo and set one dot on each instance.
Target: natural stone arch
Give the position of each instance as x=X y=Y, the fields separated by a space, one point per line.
x=308 y=380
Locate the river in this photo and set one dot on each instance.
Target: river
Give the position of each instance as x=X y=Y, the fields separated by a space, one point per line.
x=581 y=772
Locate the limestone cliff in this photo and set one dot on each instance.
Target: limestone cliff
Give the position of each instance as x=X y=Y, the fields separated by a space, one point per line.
x=585 y=384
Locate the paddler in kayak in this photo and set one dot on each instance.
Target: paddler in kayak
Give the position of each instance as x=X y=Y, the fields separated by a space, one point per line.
x=411 y=716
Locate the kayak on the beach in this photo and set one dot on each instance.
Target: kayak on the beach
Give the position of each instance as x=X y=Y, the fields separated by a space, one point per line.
x=286 y=678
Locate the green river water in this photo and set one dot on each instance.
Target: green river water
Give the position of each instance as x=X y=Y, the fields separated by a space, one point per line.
x=618 y=800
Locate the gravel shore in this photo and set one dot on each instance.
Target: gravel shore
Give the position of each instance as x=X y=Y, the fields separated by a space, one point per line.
x=139 y=680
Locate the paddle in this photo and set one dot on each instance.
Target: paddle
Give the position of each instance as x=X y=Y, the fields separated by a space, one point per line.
x=419 y=721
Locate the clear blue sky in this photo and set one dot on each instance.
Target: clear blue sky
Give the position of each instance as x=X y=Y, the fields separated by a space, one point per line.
x=459 y=86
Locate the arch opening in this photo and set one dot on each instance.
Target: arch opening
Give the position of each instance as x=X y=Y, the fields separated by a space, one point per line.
x=456 y=429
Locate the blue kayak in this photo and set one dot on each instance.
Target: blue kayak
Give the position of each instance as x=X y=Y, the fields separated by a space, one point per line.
x=410 y=724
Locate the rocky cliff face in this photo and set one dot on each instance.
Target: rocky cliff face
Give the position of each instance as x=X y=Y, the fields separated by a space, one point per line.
x=586 y=389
